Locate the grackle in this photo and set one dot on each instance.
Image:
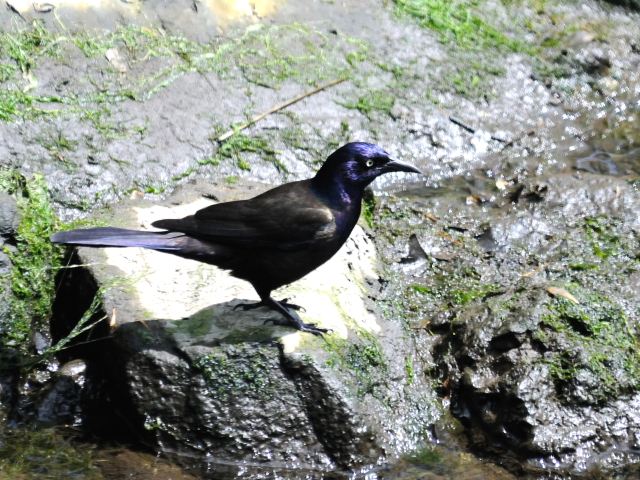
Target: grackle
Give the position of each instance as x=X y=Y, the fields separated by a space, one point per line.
x=270 y=240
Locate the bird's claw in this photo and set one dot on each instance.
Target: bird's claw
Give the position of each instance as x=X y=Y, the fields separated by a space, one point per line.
x=311 y=328
x=285 y=303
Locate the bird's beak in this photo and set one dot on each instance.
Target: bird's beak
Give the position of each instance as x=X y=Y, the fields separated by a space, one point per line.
x=400 y=166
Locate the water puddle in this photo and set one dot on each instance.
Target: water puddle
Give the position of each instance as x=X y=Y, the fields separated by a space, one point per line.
x=52 y=453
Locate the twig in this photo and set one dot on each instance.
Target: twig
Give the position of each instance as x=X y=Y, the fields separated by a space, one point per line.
x=228 y=134
x=470 y=129
x=450 y=239
x=145 y=324
x=76 y=266
x=536 y=270
x=460 y=123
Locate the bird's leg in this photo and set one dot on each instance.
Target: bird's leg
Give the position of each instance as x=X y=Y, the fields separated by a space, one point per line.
x=262 y=303
x=291 y=320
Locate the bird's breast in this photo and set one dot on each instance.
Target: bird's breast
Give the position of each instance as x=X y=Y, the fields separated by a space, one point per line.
x=344 y=221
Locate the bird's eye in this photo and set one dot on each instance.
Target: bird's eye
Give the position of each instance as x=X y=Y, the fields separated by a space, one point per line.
x=369 y=163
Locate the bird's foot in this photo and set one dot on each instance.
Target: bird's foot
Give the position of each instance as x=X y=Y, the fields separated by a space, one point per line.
x=284 y=303
x=289 y=319
x=301 y=326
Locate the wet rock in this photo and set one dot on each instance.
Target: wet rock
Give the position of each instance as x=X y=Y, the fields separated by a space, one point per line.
x=535 y=390
x=59 y=402
x=9 y=222
x=416 y=252
x=6 y=267
x=9 y=216
x=7 y=382
x=43 y=7
x=207 y=381
x=399 y=111
x=539 y=359
x=486 y=241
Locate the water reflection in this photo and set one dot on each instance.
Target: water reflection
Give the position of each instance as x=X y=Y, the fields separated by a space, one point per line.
x=609 y=163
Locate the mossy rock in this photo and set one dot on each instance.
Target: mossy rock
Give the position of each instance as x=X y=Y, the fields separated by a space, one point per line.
x=205 y=379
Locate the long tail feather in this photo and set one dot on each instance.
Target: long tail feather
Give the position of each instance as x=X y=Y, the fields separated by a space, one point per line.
x=118 y=237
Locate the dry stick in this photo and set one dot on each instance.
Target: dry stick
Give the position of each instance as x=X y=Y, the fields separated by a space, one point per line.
x=471 y=129
x=460 y=123
x=450 y=239
x=228 y=134
x=536 y=270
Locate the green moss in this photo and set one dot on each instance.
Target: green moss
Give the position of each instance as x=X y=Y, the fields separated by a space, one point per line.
x=580 y=266
x=368 y=209
x=462 y=297
x=363 y=358
x=600 y=232
x=238 y=144
x=197 y=325
x=209 y=161
x=470 y=75
x=34 y=261
x=149 y=186
x=260 y=55
x=42 y=454
x=408 y=364
x=455 y=21
x=472 y=41
x=239 y=369
x=424 y=456
x=606 y=349
x=456 y=290
x=373 y=100
x=59 y=143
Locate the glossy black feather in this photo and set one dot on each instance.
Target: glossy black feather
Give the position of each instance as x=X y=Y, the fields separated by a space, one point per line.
x=288 y=217
x=118 y=237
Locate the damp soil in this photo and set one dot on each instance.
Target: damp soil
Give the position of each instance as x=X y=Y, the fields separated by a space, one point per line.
x=524 y=139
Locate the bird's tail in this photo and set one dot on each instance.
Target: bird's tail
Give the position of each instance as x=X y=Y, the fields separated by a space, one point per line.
x=118 y=237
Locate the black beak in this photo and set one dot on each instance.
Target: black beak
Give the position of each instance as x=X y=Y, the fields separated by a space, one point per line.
x=400 y=166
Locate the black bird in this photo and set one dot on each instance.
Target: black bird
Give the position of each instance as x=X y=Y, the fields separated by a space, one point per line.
x=270 y=240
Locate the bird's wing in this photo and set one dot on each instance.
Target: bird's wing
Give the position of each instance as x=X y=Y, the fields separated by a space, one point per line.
x=287 y=217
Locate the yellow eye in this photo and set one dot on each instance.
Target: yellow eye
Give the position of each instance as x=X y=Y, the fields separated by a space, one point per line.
x=369 y=163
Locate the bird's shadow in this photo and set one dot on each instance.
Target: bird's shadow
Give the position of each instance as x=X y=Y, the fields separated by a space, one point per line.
x=210 y=326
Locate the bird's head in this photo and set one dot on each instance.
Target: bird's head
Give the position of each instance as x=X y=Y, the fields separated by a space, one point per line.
x=357 y=164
